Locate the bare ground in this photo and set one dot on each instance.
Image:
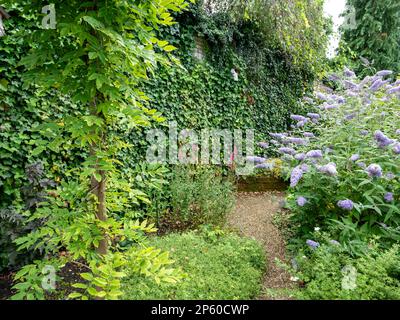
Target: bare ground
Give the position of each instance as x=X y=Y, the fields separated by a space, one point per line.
x=253 y=217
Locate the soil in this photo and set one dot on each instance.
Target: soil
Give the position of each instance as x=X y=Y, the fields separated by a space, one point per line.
x=253 y=217
x=69 y=274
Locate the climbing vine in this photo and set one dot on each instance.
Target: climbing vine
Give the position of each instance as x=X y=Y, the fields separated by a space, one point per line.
x=202 y=91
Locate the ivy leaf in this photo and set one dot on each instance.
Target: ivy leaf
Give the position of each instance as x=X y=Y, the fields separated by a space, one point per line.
x=169 y=48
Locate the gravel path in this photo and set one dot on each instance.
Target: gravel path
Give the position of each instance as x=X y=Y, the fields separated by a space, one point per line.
x=253 y=217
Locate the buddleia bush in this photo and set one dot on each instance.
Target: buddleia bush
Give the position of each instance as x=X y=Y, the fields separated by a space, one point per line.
x=343 y=161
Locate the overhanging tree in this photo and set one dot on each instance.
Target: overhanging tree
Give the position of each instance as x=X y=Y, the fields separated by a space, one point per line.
x=98 y=54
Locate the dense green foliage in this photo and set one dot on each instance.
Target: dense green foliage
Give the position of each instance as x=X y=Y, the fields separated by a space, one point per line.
x=376 y=35
x=298 y=28
x=217 y=266
x=204 y=93
x=272 y=78
x=23 y=106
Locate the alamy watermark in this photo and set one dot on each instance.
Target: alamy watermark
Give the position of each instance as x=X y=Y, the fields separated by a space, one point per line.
x=49 y=279
x=349 y=280
x=49 y=20
x=206 y=147
x=350 y=21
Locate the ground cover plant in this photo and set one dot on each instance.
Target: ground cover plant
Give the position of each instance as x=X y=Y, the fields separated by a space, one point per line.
x=331 y=273
x=217 y=265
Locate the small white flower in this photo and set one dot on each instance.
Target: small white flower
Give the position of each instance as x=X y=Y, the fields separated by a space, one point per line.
x=294 y=279
x=317 y=229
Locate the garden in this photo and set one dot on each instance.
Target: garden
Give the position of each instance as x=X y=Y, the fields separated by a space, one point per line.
x=199 y=150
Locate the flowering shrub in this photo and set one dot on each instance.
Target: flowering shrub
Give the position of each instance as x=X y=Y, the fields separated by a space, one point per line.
x=343 y=160
x=199 y=195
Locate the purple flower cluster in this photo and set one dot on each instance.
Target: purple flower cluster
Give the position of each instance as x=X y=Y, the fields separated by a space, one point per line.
x=278 y=136
x=384 y=73
x=329 y=169
x=348 y=73
x=315 y=154
x=374 y=171
x=394 y=90
x=350 y=116
x=305 y=167
x=347 y=205
x=300 y=156
x=286 y=150
x=298 y=141
x=301 y=201
x=390 y=176
x=314 y=116
x=296 y=176
x=333 y=77
x=296 y=117
x=321 y=96
x=256 y=159
x=377 y=85
x=341 y=100
x=330 y=106
x=355 y=157
x=389 y=197
x=382 y=139
x=362 y=165
x=396 y=148
x=312 y=244
x=265 y=165
x=350 y=85
x=264 y=145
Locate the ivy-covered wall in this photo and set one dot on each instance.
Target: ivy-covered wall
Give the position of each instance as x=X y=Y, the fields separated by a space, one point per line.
x=24 y=175
x=203 y=93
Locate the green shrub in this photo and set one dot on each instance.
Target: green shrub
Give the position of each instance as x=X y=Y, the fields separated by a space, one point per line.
x=329 y=272
x=345 y=179
x=217 y=267
x=200 y=195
